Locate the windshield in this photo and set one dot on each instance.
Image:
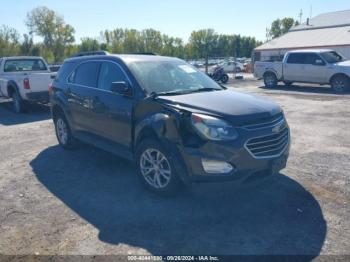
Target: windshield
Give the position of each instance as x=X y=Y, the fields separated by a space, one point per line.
x=332 y=57
x=167 y=77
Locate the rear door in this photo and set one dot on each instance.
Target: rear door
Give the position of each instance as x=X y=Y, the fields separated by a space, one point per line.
x=81 y=91
x=293 y=68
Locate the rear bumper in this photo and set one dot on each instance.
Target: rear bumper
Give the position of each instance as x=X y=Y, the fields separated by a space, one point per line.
x=42 y=96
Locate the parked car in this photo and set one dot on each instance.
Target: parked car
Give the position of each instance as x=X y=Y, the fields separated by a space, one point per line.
x=24 y=79
x=307 y=66
x=178 y=125
x=54 y=67
x=231 y=66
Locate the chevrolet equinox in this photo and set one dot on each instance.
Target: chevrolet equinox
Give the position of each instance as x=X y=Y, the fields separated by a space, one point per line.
x=177 y=124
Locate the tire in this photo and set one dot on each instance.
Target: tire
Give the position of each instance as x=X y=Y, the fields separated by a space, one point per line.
x=224 y=79
x=270 y=80
x=340 y=84
x=160 y=177
x=288 y=83
x=18 y=103
x=63 y=132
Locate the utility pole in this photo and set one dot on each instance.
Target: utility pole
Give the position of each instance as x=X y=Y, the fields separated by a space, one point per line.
x=300 y=15
x=310 y=12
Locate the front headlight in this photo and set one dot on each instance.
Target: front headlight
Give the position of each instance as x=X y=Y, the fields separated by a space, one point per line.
x=213 y=128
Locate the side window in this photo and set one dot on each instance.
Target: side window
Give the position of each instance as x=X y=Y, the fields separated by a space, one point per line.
x=110 y=73
x=86 y=74
x=311 y=59
x=296 y=58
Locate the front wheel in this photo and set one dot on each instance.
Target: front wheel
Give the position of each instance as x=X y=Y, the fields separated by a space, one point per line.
x=340 y=84
x=156 y=169
x=270 y=80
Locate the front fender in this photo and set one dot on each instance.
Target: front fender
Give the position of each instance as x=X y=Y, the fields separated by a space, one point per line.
x=166 y=128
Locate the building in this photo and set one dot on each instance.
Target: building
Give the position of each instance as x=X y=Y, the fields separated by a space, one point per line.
x=329 y=30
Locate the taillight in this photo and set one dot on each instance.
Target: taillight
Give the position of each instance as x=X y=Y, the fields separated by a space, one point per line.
x=50 y=89
x=26 y=84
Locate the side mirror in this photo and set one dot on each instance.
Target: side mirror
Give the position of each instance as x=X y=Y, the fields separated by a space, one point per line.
x=319 y=62
x=121 y=88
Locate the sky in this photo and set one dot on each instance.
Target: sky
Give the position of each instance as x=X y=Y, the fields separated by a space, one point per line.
x=173 y=17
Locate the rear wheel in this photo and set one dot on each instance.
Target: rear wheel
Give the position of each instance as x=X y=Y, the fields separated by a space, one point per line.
x=340 y=83
x=156 y=169
x=63 y=132
x=224 y=79
x=18 y=103
x=270 y=80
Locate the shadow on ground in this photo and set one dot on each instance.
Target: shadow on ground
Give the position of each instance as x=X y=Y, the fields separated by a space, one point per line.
x=34 y=112
x=275 y=216
x=305 y=89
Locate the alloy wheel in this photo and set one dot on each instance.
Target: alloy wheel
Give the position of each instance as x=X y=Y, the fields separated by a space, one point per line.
x=62 y=131
x=155 y=168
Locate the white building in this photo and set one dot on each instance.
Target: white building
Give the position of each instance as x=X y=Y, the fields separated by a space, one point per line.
x=329 y=30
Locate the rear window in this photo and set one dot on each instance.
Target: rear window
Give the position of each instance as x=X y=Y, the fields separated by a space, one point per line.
x=65 y=70
x=23 y=65
x=296 y=58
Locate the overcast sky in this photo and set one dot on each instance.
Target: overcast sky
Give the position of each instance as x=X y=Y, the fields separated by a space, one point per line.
x=173 y=17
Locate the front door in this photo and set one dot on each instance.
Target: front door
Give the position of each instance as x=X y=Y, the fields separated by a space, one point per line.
x=112 y=112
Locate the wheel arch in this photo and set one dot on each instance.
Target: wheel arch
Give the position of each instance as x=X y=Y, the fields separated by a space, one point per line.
x=12 y=87
x=270 y=71
x=336 y=75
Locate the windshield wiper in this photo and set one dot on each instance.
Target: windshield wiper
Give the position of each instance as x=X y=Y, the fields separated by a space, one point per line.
x=169 y=93
x=205 y=89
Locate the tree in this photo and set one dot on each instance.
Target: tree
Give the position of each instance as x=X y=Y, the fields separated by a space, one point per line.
x=88 y=44
x=9 y=41
x=56 y=33
x=203 y=43
x=280 y=27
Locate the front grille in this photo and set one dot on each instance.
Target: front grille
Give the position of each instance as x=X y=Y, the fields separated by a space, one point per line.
x=269 y=146
x=264 y=123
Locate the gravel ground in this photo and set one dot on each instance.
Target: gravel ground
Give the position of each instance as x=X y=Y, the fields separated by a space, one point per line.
x=89 y=202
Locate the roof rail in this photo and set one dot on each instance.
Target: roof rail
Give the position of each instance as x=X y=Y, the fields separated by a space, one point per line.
x=143 y=53
x=90 y=53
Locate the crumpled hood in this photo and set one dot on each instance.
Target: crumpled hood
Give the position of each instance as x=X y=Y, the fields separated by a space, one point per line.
x=233 y=106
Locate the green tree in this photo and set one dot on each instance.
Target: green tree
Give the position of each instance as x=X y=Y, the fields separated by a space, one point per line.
x=280 y=27
x=203 y=43
x=88 y=44
x=56 y=33
x=9 y=41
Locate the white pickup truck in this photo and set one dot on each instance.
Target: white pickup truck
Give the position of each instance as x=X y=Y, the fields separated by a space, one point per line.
x=24 y=79
x=307 y=66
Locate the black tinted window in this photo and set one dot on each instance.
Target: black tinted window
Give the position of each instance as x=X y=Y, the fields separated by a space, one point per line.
x=19 y=65
x=296 y=58
x=110 y=73
x=64 y=70
x=86 y=74
x=311 y=58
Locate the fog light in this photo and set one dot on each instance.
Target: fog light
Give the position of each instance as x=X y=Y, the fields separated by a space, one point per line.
x=216 y=167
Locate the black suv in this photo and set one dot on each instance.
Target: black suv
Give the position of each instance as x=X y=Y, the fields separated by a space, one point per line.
x=177 y=124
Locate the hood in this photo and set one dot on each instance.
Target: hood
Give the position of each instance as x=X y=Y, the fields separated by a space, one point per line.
x=233 y=106
x=344 y=63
